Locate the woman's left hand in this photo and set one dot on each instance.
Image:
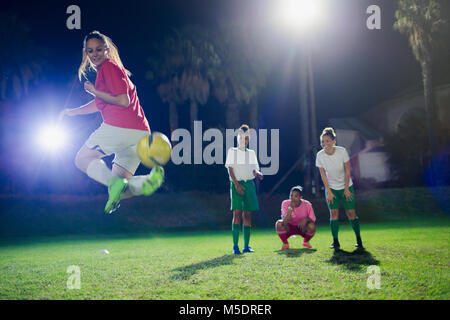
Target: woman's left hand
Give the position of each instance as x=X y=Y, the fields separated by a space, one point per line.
x=348 y=195
x=89 y=87
x=258 y=174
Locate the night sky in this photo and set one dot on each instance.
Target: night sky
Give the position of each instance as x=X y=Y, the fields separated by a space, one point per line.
x=354 y=68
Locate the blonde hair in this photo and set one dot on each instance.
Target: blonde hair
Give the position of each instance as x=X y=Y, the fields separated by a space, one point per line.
x=328 y=132
x=113 y=53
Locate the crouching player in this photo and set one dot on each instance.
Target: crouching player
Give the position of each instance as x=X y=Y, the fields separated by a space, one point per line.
x=297 y=217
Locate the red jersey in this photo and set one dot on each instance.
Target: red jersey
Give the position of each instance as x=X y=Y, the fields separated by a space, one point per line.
x=113 y=80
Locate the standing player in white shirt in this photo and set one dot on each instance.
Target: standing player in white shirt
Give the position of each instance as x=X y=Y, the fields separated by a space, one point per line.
x=334 y=165
x=243 y=167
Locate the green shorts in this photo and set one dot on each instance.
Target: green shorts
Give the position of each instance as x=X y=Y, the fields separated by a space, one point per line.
x=247 y=201
x=348 y=204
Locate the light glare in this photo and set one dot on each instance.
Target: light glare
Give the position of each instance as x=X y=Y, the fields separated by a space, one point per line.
x=298 y=14
x=52 y=138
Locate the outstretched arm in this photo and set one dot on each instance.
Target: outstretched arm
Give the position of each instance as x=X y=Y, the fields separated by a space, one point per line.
x=88 y=108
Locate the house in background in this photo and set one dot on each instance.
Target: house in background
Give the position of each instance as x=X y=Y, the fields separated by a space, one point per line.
x=388 y=115
x=363 y=136
x=365 y=147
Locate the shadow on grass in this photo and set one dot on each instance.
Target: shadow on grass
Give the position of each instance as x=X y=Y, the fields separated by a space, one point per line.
x=294 y=253
x=353 y=261
x=184 y=273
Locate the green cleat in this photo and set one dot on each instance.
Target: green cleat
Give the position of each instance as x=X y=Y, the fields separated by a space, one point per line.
x=116 y=186
x=154 y=181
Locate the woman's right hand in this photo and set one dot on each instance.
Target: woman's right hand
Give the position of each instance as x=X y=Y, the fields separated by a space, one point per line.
x=294 y=204
x=330 y=197
x=62 y=113
x=240 y=188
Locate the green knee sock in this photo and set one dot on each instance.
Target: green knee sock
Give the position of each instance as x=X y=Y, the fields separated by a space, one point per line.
x=247 y=230
x=235 y=231
x=355 y=226
x=334 y=225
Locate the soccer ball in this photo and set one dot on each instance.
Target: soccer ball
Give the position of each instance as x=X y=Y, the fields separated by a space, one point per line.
x=154 y=150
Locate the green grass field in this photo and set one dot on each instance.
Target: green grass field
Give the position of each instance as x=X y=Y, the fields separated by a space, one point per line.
x=413 y=259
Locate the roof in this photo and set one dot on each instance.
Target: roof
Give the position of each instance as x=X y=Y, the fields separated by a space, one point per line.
x=407 y=94
x=365 y=130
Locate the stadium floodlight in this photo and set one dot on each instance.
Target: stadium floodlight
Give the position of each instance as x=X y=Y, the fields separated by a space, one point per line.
x=52 y=137
x=298 y=15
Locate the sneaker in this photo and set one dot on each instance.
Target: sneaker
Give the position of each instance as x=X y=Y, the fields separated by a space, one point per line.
x=306 y=244
x=335 y=245
x=116 y=187
x=285 y=246
x=247 y=249
x=154 y=181
x=236 y=250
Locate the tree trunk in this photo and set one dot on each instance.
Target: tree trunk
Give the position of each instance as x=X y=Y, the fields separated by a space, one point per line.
x=429 y=103
x=254 y=113
x=194 y=114
x=232 y=116
x=430 y=116
x=173 y=117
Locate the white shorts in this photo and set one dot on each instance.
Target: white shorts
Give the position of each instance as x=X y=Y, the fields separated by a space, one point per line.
x=121 y=142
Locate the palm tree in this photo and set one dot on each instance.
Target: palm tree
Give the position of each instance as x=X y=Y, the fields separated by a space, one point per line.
x=242 y=72
x=164 y=63
x=169 y=93
x=408 y=165
x=21 y=61
x=421 y=21
x=200 y=63
x=182 y=65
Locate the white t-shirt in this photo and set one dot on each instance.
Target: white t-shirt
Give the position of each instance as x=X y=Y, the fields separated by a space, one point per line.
x=243 y=163
x=334 y=167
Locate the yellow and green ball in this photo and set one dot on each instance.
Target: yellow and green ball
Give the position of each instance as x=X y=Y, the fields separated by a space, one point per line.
x=154 y=150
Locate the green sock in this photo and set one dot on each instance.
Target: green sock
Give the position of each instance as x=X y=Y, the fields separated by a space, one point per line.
x=235 y=231
x=355 y=226
x=247 y=230
x=334 y=224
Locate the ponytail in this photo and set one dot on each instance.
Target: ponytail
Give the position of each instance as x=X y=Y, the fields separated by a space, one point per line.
x=113 y=53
